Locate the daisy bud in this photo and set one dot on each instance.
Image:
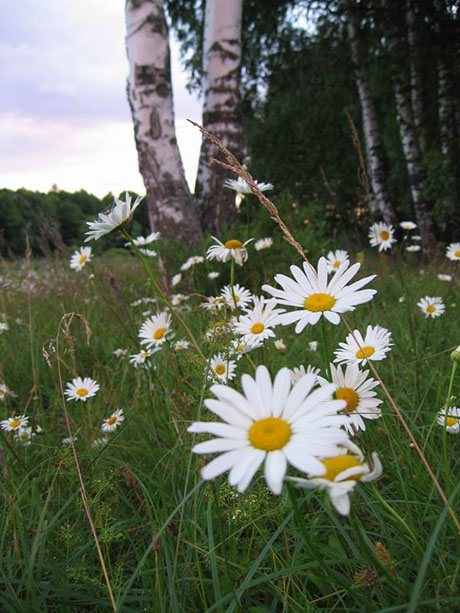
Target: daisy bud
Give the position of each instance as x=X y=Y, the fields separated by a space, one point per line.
x=455 y=355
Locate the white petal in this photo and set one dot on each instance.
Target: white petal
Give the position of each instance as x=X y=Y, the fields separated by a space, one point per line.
x=212 y=427
x=257 y=457
x=222 y=463
x=275 y=469
x=216 y=445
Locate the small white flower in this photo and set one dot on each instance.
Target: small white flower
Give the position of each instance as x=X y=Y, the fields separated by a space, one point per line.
x=120 y=213
x=256 y=324
x=99 y=442
x=222 y=368
x=401 y=299
x=24 y=435
x=413 y=248
x=112 y=423
x=178 y=299
x=118 y=353
x=381 y=236
x=80 y=258
x=192 y=261
x=279 y=344
x=442 y=277
x=139 y=359
x=263 y=243
x=416 y=237
x=14 y=423
x=142 y=241
x=3 y=326
x=81 y=389
x=240 y=186
x=232 y=248
x=453 y=252
x=240 y=295
x=374 y=346
x=220 y=327
x=176 y=279
x=213 y=275
x=313 y=345
x=336 y=258
x=451 y=420
x=150 y=253
x=214 y=303
x=4 y=392
x=431 y=306
x=408 y=225
x=155 y=330
x=181 y=345
x=67 y=440
x=297 y=373
x=240 y=348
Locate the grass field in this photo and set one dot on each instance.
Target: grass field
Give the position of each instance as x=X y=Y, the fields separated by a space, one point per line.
x=171 y=541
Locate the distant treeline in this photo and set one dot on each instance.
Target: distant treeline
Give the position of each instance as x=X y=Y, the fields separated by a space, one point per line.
x=52 y=221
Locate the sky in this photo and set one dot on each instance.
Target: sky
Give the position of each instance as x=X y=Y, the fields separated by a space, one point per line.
x=64 y=116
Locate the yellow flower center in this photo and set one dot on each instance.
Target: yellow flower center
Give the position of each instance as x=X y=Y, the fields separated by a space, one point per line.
x=336 y=264
x=319 y=302
x=219 y=369
x=270 y=434
x=457 y=254
x=159 y=333
x=257 y=328
x=233 y=243
x=350 y=396
x=2 y=393
x=451 y=421
x=82 y=259
x=384 y=235
x=365 y=352
x=15 y=423
x=239 y=347
x=112 y=420
x=145 y=354
x=82 y=392
x=431 y=308
x=335 y=466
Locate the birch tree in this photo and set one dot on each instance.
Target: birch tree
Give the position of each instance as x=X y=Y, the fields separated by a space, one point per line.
x=170 y=206
x=221 y=110
x=380 y=200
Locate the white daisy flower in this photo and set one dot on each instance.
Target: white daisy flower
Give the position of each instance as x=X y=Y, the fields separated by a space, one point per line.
x=176 y=279
x=181 y=345
x=222 y=368
x=451 y=421
x=280 y=346
x=263 y=243
x=408 y=225
x=431 y=306
x=416 y=237
x=5 y=391
x=442 y=277
x=14 y=423
x=381 y=236
x=220 y=327
x=336 y=258
x=232 y=248
x=240 y=186
x=80 y=257
x=120 y=213
x=355 y=388
x=81 y=389
x=178 y=299
x=4 y=326
x=313 y=345
x=24 y=435
x=256 y=324
x=214 y=303
x=150 y=253
x=112 y=423
x=272 y=424
x=139 y=359
x=413 y=248
x=240 y=295
x=297 y=373
x=240 y=348
x=67 y=440
x=119 y=353
x=213 y=275
x=99 y=442
x=311 y=292
x=453 y=252
x=374 y=346
x=155 y=330
x=142 y=241
x=342 y=474
x=192 y=261
x=140 y=301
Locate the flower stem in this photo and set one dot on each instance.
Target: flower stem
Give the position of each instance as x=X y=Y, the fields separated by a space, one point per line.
x=446 y=414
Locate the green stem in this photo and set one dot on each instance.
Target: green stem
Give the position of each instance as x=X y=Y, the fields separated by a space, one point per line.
x=325 y=348
x=232 y=282
x=446 y=415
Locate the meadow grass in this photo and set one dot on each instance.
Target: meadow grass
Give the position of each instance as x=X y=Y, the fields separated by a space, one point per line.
x=170 y=541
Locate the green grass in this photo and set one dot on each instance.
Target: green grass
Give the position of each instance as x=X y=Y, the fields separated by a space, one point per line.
x=172 y=542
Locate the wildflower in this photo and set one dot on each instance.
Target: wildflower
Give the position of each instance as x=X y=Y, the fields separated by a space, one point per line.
x=220 y=327
x=431 y=306
x=451 y=420
x=4 y=392
x=79 y=258
x=155 y=330
x=67 y=440
x=263 y=243
x=24 y=435
x=223 y=368
x=257 y=323
x=455 y=355
x=272 y=424
x=374 y=346
x=453 y=252
x=213 y=275
x=4 y=326
x=150 y=253
x=442 y=277
x=140 y=358
x=240 y=186
x=142 y=241
x=232 y=248
x=335 y=258
x=413 y=248
x=240 y=295
x=240 y=348
x=120 y=213
x=118 y=353
x=112 y=423
x=416 y=237
x=280 y=346
x=341 y=475
x=14 y=423
x=176 y=279
x=355 y=388
x=214 y=303
x=297 y=373
x=99 y=442
x=192 y=261
x=181 y=345
x=313 y=345
x=381 y=236
x=314 y=296
x=408 y=225
x=81 y=389
x=178 y=299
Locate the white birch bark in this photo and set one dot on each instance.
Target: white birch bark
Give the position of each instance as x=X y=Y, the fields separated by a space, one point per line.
x=415 y=76
x=170 y=206
x=221 y=110
x=380 y=200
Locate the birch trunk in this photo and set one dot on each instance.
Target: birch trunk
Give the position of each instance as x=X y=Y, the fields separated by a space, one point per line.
x=170 y=206
x=221 y=110
x=380 y=200
x=415 y=77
